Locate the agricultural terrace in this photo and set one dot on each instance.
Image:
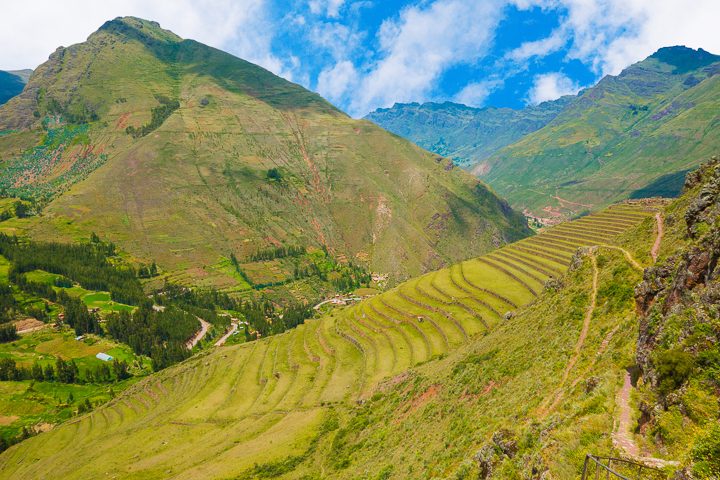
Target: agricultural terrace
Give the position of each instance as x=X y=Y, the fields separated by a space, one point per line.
x=238 y=410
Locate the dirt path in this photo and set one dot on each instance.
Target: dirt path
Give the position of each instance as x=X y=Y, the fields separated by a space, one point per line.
x=204 y=327
x=622 y=437
x=627 y=254
x=660 y=230
x=223 y=339
x=581 y=339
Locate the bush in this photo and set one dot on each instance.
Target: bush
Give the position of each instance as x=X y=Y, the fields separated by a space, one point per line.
x=706 y=454
x=673 y=367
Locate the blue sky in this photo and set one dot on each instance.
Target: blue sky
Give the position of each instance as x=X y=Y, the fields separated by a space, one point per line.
x=365 y=54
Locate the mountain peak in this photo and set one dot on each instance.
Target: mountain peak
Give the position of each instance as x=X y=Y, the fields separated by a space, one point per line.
x=138 y=28
x=685 y=59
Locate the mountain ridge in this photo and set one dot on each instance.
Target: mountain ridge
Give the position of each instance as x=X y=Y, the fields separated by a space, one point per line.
x=152 y=138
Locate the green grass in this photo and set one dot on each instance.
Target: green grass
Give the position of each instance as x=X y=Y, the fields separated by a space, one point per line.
x=270 y=396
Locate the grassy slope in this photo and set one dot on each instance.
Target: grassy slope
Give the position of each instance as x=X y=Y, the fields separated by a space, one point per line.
x=287 y=404
x=195 y=189
x=657 y=117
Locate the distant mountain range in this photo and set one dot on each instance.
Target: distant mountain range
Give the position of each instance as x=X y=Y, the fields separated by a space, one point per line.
x=184 y=154
x=634 y=134
x=12 y=83
x=466 y=134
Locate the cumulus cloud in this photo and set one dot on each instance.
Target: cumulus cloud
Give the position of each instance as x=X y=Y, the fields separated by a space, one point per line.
x=336 y=82
x=419 y=46
x=31 y=30
x=539 y=48
x=550 y=86
x=612 y=34
x=474 y=94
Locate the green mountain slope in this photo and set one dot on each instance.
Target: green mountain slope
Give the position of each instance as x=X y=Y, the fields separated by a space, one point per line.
x=658 y=117
x=184 y=154
x=404 y=385
x=11 y=84
x=465 y=134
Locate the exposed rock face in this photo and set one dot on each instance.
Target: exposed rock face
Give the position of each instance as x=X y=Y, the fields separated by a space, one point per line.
x=678 y=304
x=689 y=279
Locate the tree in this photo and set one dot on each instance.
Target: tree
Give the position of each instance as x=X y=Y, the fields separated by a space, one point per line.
x=121 y=370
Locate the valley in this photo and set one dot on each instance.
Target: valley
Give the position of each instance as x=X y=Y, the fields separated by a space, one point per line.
x=208 y=270
x=324 y=370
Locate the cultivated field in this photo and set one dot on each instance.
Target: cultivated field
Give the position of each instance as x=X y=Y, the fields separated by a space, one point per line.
x=257 y=409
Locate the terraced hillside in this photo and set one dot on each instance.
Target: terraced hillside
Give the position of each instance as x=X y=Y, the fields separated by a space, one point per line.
x=259 y=410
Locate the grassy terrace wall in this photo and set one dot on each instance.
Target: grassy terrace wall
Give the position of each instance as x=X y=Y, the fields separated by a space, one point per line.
x=255 y=409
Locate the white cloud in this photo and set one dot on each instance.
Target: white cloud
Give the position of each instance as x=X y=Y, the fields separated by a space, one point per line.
x=550 y=86
x=419 y=46
x=612 y=34
x=538 y=48
x=337 y=39
x=336 y=82
x=475 y=94
x=31 y=30
x=330 y=8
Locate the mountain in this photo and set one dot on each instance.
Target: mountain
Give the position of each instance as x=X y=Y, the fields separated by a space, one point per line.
x=467 y=135
x=656 y=118
x=631 y=135
x=189 y=156
x=12 y=83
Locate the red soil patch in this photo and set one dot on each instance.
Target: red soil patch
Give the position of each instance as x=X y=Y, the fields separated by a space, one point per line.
x=491 y=385
x=418 y=402
x=122 y=121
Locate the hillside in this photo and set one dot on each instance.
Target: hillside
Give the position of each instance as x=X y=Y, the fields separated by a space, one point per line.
x=657 y=117
x=630 y=136
x=407 y=384
x=188 y=156
x=12 y=83
x=467 y=135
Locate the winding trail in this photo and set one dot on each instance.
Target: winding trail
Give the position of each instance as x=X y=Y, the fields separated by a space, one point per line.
x=581 y=339
x=622 y=437
x=627 y=254
x=658 y=240
x=204 y=327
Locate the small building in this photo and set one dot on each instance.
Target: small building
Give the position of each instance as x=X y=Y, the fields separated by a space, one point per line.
x=104 y=357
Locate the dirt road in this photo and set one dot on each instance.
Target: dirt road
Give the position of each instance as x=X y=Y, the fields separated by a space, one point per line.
x=223 y=339
x=204 y=327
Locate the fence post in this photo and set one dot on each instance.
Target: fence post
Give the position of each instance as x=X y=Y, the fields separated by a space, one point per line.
x=585 y=465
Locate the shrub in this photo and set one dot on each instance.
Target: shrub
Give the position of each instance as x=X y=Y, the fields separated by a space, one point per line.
x=673 y=367
x=706 y=454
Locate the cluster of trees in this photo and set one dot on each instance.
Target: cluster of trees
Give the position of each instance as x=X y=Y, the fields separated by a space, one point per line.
x=78 y=316
x=19 y=209
x=160 y=335
x=265 y=318
x=275 y=252
x=148 y=271
x=158 y=115
x=64 y=372
x=8 y=305
x=8 y=333
x=86 y=263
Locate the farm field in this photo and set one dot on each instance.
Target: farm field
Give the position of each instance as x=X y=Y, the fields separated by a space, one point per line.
x=93 y=299
x=266 y=406
x=39 y=405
